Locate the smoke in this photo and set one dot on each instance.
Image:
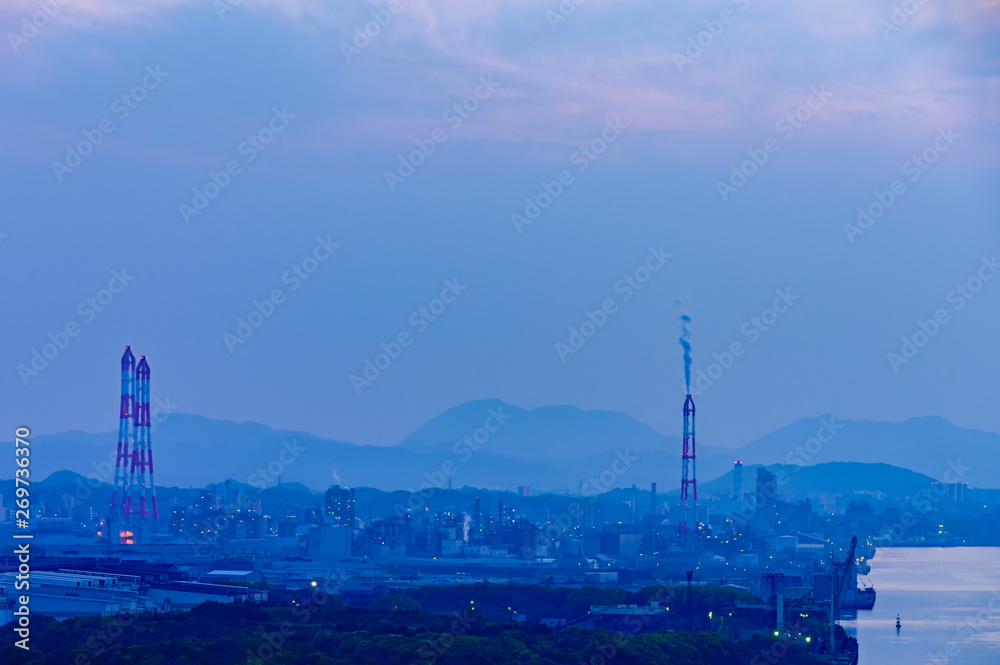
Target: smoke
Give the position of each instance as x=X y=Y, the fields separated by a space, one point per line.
x=336 y=477
x=685 y=341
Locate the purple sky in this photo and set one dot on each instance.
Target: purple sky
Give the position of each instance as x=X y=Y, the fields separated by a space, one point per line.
x=205 y=148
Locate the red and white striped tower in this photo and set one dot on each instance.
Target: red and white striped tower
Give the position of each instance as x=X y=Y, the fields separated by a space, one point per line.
x=119 y=495
x=689 y=476
x=142 y=452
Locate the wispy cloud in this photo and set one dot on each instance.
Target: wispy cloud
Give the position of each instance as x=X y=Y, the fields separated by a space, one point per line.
x=618 y=57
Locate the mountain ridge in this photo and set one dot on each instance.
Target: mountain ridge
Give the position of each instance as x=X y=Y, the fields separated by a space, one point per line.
x=553 y=447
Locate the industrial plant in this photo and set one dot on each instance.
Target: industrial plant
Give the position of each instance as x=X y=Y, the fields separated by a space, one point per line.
x=791 y=571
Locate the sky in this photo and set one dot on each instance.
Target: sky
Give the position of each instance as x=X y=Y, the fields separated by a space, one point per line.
x=507 y=199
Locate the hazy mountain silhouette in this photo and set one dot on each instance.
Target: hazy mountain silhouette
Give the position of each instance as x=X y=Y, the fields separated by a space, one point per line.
x=546 y=448
x=829 y=478
x=928 y=445
x=547 y=433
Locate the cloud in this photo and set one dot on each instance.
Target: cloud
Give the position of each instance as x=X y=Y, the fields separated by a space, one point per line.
x=621 y=57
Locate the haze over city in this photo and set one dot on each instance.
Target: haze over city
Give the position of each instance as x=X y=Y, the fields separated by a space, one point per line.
x=883 y=101
x=510 y=331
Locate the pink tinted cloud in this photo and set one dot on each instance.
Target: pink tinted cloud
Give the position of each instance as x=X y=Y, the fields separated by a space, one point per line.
x=556 y=89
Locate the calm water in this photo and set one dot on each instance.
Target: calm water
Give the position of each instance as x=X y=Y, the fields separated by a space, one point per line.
x=943 y=597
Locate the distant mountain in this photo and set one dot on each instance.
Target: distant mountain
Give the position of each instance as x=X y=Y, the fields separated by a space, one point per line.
x=830 y=478
x=73 y=492
x=547 y=433
x=546 y=448
x=192 y=450
x=76 y=494
x=930 y=446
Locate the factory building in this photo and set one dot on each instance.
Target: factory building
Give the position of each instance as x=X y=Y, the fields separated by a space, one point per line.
x=340 y=506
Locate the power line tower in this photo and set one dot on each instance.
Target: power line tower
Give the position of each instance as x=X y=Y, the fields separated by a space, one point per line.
x=773 y=579
x=133 y=497
x=142 y=453
x=126 y=439
x=125 y=435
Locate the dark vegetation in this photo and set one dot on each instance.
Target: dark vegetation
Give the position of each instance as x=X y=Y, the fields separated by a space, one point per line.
x=426 y=626
x=541 y=602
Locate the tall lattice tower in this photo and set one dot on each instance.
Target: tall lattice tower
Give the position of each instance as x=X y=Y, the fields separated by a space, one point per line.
x=689 y=476
x=119 y=495
x=142 y=500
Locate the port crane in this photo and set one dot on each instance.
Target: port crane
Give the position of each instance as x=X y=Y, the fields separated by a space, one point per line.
x=840 y=580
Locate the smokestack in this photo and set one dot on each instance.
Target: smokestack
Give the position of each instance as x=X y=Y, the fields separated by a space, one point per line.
x=689 y=476
x=652 y=501
x=738 y=481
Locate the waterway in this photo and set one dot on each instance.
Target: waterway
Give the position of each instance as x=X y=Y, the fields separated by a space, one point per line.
x=948 y=601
